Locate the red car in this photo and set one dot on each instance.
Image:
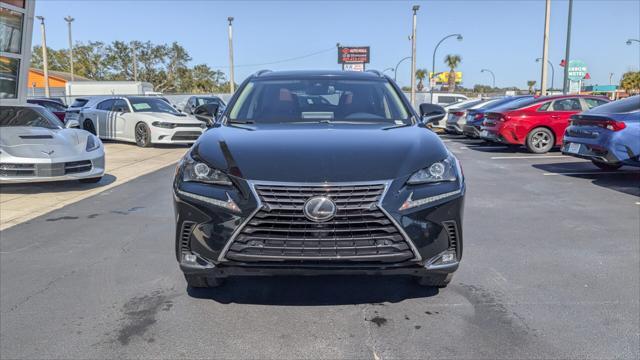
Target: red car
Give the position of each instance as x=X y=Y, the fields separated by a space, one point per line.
x=538 y=124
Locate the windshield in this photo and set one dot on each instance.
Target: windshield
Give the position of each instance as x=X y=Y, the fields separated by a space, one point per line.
x=318 y=100
x=152 y=105
x=27 y=116
x=208 y=100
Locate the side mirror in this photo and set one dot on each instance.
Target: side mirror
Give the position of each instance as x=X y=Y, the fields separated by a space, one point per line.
x=430 y=113
x=206 y=113
x=72 y=124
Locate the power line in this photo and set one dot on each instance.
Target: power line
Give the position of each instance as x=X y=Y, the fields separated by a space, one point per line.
x=333 y=48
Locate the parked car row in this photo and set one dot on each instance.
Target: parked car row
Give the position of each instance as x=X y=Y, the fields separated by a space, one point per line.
x=44 y=140
x=584 y=126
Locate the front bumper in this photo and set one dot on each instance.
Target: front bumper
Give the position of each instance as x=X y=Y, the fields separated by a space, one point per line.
x=45 y=170
x=206 y=231
x=178 y=135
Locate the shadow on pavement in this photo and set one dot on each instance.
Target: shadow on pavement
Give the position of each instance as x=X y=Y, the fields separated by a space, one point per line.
x=314 y=290
x=55 y=186
x=624 y=180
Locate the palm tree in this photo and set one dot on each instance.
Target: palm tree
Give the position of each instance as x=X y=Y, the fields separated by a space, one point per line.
x=531 y=84
x=452 y=62
x=421 y=74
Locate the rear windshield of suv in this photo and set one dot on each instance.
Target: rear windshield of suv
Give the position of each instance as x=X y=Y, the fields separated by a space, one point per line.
x=79 y=102
x=319 y=100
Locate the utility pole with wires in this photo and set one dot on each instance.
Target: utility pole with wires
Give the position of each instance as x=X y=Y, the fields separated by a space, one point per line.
x=45 y=62
x=413 y=56
x=232 y=85
x=545 y=48
x=565 y=78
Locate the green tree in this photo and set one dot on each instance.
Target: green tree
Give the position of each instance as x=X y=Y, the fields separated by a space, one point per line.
x=630 y=82
x=421 y=74
x=531 y=84
x=452 y=61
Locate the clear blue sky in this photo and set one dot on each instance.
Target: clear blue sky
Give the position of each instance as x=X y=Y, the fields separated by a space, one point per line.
x=504 y=36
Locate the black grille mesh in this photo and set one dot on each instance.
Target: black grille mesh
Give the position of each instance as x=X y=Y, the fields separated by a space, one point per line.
x=360 y=231
x=185 y=236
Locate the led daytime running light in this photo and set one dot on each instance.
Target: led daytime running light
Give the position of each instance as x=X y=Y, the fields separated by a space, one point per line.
x=410 y=203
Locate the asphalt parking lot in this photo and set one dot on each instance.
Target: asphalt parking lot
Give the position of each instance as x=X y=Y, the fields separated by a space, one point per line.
x=551 y=269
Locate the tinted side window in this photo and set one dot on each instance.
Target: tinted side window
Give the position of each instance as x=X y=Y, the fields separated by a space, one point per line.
x=120 y=106
x=105 y=105
x=619 y=107
x=571 y=104
x=591 y=103
x=545 y=106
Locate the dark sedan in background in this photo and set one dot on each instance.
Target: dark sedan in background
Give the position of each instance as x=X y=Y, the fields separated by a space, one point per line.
x=194 y=101
x=55 y=106
x=353 y=184
x=608 y=135
x=474 y=117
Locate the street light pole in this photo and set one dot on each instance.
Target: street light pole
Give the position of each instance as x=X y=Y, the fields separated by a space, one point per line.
x=630 y=41
x=565 y=78
x=545 y=48
x=387 y=69
x=45 y=62
x=395 y=71
x=610 y=77
x=433 y=61
x=232 y=85
x=413 y=56
x=553 y=71
x=69 y=19
x=493 y=76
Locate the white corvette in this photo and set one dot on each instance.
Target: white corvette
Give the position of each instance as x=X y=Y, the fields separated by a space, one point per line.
x=143 y=120
x=35 y=146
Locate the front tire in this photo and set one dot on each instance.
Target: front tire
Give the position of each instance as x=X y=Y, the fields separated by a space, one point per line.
x=143 y=135
x=540 y=140
x=605 y=166
x=199 y=281
x=87 y=124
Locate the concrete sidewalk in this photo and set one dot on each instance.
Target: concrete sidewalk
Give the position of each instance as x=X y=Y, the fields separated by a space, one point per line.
x=124 y=162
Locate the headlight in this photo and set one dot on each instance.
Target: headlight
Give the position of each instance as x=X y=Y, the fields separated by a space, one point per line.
x=200 y=172
x=441 y=171
x=92 y=143
x=164 y=125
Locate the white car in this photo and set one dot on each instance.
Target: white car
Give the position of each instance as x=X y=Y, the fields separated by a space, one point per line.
x=35 y=146
x=456 y=117
x=143 y=120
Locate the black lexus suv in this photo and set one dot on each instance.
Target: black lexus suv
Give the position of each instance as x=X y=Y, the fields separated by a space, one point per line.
x=319 y=172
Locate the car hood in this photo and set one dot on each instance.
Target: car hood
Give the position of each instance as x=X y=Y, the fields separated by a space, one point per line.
x=320 y=152
x=159 y=116
x=32 y=142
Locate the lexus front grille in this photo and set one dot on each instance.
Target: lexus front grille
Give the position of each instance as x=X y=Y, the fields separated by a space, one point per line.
x=359 y=231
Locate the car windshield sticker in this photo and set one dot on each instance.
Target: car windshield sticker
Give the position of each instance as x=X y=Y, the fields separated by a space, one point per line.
x=399 y=122
x=141 y=106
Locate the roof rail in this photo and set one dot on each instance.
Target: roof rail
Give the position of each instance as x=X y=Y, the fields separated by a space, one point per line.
x=376 y=72
x=263 y=71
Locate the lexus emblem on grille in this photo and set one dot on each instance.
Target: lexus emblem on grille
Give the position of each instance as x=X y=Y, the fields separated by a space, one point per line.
x=319 y=209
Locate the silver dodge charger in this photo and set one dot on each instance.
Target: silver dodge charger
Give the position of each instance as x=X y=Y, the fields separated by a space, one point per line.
x=36 y=146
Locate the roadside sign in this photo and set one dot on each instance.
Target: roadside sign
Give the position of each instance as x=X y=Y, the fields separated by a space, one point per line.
x=577 y=70
x=353 y=55
x=353 y=67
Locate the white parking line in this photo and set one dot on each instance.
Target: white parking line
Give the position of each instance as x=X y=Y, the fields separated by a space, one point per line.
x=637 y=202
x=486 y=147
x=528 y=157
x=593 y=173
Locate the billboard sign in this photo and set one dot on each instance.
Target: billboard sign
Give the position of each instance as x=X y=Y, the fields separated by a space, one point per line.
x=577 y=70
x=353 y=55
x=442 y=78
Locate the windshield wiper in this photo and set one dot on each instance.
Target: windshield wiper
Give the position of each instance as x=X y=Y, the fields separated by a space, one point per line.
x=396 y=126
x=240 y=122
